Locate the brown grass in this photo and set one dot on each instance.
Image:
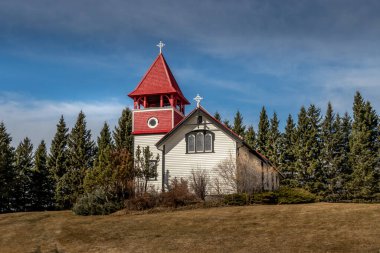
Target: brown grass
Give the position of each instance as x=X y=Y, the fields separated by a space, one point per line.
x=317 y=227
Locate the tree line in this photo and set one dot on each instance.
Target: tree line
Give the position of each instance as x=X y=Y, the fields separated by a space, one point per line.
x=332 y=155
x=75 y=165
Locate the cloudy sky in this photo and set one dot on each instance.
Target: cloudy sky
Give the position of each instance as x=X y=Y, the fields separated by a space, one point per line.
x=60 y=57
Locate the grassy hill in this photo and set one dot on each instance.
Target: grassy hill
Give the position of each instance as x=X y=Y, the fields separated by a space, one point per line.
x=317 y=227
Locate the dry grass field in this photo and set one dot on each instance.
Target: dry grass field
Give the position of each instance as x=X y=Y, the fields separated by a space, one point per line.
x=317 y=227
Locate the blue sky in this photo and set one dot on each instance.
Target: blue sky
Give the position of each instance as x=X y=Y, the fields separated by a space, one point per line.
x=60 y=57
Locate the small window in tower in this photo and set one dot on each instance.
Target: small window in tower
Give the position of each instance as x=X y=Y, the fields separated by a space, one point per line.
x=199 y=142
x=191 y=143
x=208 y=142
x=152 y=122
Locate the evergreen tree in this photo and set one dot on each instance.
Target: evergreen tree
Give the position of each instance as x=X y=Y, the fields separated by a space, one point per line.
x=217 y=116
x=81 y=158
x=24 y=167
x=58 y=160
x=287 y=158
x=101 y=174
x=238 y=127
x=42 y=190
x=329 y=148
x=123 y=131
x=104 y=142
x=308 y=149
x=7 y=173
x=313 y=146
x=263 y=132
x=364 y=149
x=340 y=171
x=226 y=122
x=124 y=173
x=250 y=137
x=274 y=137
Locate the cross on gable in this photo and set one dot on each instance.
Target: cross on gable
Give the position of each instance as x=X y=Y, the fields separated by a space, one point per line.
x=198 y=99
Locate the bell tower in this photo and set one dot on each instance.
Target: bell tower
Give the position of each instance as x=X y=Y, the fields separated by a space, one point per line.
x=158 y=106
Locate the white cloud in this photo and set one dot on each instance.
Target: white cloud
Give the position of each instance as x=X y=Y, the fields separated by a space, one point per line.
x=37 y=119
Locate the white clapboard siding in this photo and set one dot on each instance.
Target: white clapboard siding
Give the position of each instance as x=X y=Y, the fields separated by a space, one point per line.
x=179 y=164
x=151 y=140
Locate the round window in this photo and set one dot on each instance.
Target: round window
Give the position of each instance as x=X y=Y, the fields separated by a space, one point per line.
x=152 y=122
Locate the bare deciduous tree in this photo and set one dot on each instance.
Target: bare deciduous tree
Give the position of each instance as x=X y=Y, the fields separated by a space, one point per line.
x=199 y=182
x=226 y=171
x=235 y=176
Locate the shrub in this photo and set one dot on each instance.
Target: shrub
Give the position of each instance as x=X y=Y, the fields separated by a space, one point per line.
x=199 y=183
x=288 y=195
x=97 y=202
x=285 y=195
x=178 y=194
x=143 y=202
x=264 y=198
x=376 y=197
x=269 y=197
x=237 y=199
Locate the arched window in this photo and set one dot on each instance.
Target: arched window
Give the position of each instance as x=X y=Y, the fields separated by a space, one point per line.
x=199 y=142
x=208 y=142
x=191 y=143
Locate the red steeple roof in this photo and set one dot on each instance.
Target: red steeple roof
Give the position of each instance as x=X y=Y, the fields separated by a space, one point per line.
x=158 y=80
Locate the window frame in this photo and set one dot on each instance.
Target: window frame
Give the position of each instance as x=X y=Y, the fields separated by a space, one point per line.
x=204 y=142
x=187 y=143
x=149 y=125
x=156 y=164
x=194 y=133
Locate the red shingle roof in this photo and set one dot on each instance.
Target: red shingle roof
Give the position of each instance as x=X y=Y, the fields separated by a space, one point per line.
x=158 y=80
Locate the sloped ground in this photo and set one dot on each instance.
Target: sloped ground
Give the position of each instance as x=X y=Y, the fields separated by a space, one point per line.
x=317 y=227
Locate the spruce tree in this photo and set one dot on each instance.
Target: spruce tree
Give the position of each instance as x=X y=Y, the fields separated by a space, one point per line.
x=58 y=160
x=226 y=122
x=123 y=131
x=313 y=147
x=274 y=141
x=42 y=190
x=328 y=149
x=7 y=173
x=104 y=142
x=24 y=166
x=301 y=152
x=340 y=171
x=263 y=132
x=238 y=127
x=287 y=158
x=250 y=137
x=217 y=116
x=81 y=158
x=101 y=174
x=364 y=149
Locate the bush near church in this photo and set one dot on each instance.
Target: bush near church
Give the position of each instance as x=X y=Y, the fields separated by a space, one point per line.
x=97 y=202
x=285 y=195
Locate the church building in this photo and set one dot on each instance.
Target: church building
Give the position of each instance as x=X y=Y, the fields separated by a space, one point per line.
x=196 y=141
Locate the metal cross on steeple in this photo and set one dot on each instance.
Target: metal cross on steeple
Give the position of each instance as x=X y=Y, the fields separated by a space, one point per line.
x=198 y=99
x=160 y=45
